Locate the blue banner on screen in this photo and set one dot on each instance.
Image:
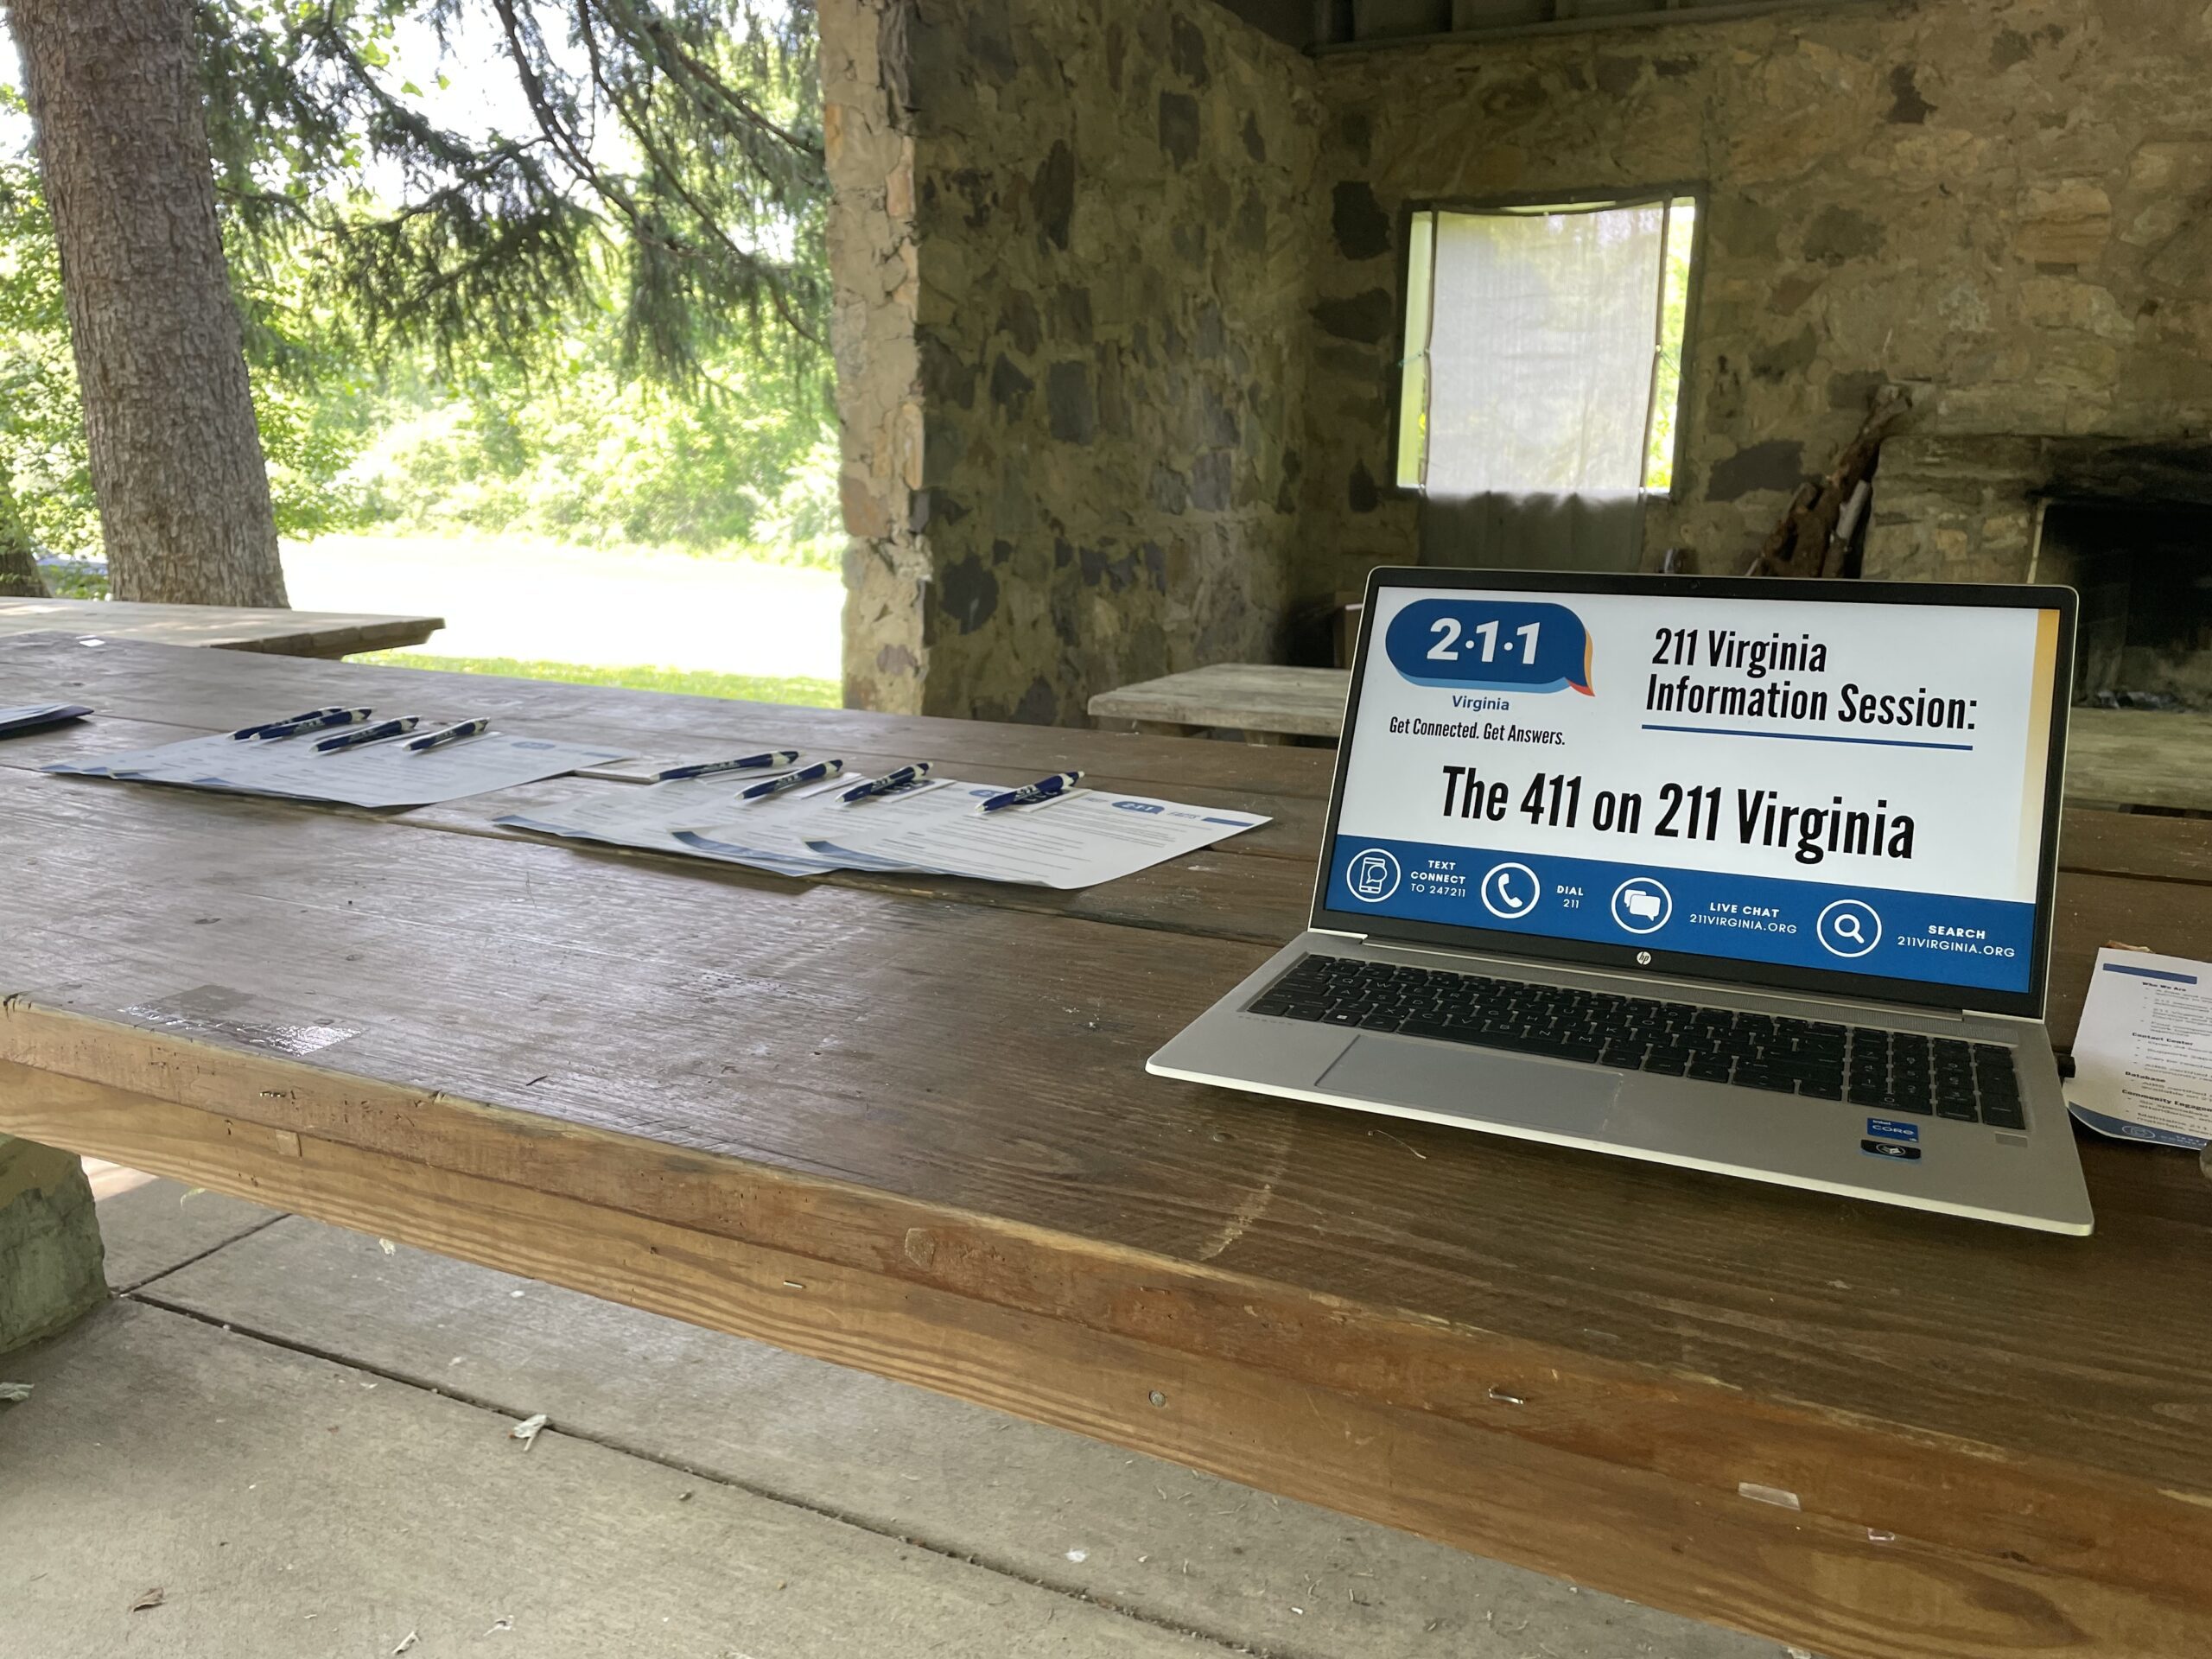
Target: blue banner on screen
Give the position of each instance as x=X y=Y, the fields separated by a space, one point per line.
x=1472 y=645
x=1818 y=784
x=1966 y=942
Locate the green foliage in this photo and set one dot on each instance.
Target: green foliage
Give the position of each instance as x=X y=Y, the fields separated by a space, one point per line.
x=747 y=688
x=603 y=329
x=75 y=581
x=304 y=394
x=674 y=159
x=746 y=461
x=1667 y=408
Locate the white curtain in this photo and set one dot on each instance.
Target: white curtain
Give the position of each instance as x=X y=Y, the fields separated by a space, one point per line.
x=1541 y=341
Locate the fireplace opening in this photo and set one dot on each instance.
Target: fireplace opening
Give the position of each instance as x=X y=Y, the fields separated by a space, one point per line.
x=2143 y=571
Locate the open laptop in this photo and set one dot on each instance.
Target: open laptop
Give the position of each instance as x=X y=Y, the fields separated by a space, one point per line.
x=1747 y=876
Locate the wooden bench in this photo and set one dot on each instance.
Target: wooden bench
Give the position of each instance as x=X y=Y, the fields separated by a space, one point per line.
x=903 y=1123
x=223 y=627
x=2119 y=757
x=1265 y=703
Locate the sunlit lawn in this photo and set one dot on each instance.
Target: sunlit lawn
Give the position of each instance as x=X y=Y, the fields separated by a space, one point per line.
x=698 y=683
x=531 y=599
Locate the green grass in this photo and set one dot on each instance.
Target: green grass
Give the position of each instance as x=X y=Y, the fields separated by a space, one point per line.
x=698 y=683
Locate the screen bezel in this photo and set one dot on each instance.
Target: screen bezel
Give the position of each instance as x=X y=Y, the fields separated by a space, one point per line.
x=1687 y=965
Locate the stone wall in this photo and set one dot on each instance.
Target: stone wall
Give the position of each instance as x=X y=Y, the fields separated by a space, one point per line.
x=2005 y=205
x=1106 y=261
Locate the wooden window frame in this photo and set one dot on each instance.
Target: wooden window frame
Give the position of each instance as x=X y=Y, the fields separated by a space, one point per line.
x=1594 y=200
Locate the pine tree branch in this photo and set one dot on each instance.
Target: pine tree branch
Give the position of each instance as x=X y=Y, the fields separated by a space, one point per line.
x=652 y=27
x=765 y=275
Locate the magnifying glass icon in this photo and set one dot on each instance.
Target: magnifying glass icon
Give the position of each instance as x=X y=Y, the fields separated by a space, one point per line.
x=1848 y=926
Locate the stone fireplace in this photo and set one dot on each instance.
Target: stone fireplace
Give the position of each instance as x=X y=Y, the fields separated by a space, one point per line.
x=2127 y=522
x=2145 y=574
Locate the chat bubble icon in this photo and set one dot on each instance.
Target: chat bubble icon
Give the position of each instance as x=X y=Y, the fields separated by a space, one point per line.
x=1373 y=876
x=1641 y=905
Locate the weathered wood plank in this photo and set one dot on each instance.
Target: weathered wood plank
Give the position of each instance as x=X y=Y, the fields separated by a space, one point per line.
x=809 y=1039
x=1213 y=893
x=2152 y=845
x=223 y=627
x=156 y=683
x=1255 y=698
x=1199 y=894
x=2100 y=1583
x=2131 y=757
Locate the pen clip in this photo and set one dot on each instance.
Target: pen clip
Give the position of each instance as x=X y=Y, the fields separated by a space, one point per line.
x=1043 y=792
x=446 y=734
x=288 y=720
x=768 y=788
x=715 y=768
x=383 y=731
x=322 y=720
x=894 y=782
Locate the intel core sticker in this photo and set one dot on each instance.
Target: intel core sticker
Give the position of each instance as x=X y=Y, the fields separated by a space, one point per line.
x=1888 y=1128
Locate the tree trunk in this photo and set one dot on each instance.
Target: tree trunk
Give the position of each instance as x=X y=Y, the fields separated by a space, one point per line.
x=19 y=573
x=176 y=460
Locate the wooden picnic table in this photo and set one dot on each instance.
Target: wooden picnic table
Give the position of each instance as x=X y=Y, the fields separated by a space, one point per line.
x=903 y=1123
x=2117 y=756
x=225 y=627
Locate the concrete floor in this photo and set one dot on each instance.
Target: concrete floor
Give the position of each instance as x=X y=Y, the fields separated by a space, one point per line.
x=299 y=1437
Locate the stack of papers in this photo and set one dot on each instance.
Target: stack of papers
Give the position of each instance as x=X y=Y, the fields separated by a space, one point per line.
x=377 y=775
x=655 y=816
x=1078 y=840
x=2143 y=1056
x=35 y=716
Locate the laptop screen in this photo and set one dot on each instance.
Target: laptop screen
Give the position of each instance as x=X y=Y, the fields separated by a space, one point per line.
x=1824 y=791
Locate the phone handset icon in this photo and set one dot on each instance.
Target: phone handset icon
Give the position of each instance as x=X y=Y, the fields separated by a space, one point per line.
x=1511 y=892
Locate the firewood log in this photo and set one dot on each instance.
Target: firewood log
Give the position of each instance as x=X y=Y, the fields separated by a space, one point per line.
x=1813 y=538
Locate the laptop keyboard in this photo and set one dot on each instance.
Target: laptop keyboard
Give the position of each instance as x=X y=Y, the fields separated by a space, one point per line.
x=1889 y=1071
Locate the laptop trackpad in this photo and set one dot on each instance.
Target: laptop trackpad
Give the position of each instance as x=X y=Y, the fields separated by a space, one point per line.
x=1479 y=1084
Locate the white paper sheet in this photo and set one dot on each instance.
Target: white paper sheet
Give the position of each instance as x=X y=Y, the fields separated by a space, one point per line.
x=189 y=753
x=651 y=816
x=1075 y=841
x=32 y=716
x=2143 y=1056
x=777 y=833
x=376 y=775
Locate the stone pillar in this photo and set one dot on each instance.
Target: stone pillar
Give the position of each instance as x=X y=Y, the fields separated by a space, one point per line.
x=50 y=1256
x=875 y=295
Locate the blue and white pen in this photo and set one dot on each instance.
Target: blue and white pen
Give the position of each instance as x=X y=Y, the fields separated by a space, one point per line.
x=268 y=726
x=446 y=734
x=1043 y=789
x=375 y=733
x=743 y=763
x=317 y=722
x=887 y=784
x=814 y=773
